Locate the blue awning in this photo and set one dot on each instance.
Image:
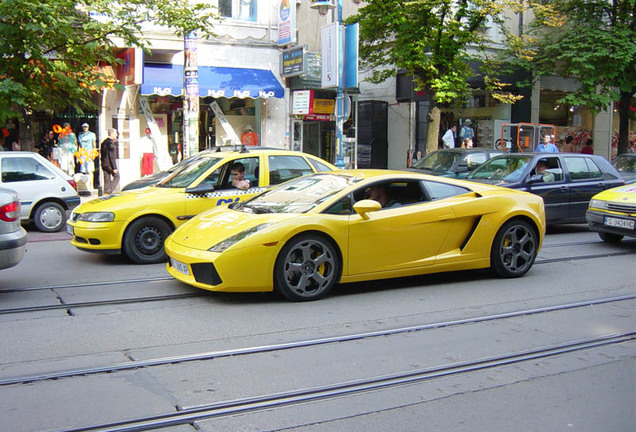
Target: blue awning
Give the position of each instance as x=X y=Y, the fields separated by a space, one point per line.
x=167 y=79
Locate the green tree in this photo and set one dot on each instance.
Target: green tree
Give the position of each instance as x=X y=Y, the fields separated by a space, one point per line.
x=434 y=40
x=594 y=42
x=51 y=49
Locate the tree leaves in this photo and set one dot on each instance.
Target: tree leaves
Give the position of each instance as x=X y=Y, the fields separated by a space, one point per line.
x=52 y=49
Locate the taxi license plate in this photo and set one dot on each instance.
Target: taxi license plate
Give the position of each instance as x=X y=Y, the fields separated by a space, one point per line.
x=179 y=266
x=69 y=229
x=619 y=223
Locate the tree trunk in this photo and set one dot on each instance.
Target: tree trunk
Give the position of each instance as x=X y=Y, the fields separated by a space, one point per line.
x=623 y=121
x=432 y=136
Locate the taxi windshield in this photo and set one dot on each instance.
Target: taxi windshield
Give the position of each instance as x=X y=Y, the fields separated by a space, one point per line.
x=506 y=168
x=184 y=177
x=299 y=195
x=440 y=160
x=625 y=163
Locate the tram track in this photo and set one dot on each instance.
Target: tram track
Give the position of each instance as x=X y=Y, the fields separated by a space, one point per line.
x=211 y=355
x=167 y=297
x=189 y=415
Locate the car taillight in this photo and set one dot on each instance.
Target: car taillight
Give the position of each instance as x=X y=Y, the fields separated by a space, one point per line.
x=10 y=212
x=72 y=183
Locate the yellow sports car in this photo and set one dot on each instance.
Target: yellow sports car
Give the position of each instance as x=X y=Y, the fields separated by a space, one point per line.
x=138 y=221
x=302 y=237
x=612 y=213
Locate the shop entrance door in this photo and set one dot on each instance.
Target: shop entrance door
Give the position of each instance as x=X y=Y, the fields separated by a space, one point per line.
x=311 y=138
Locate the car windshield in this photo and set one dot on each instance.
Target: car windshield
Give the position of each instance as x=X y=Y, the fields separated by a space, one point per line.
x=506 y=168
x=184 y=177
x=440 y=160
x=625 y=163
x=299 y=195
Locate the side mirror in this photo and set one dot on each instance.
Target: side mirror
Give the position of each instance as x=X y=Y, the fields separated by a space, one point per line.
x=462 y=169
x=366 y=206
x=537 y=178
x=200 y=189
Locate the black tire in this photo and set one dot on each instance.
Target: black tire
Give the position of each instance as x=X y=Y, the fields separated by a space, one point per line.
x=49 y=217
x=144 y=238
x=307 y=268
x=610 y=238
x=514 y=249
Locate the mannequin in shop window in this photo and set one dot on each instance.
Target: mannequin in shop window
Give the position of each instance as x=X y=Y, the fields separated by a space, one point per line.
x=249 y=137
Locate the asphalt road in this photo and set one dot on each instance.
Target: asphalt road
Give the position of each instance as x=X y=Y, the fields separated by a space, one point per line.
x=89 y=340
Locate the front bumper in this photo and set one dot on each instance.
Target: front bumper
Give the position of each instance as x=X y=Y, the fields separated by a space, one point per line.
x=597 y=221
x=101 y=237
x=244 y=270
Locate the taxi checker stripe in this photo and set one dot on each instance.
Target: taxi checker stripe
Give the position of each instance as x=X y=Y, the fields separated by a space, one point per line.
x=225 y=193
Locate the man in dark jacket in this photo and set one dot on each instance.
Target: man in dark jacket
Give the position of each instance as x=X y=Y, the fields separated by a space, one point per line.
x=108 y=156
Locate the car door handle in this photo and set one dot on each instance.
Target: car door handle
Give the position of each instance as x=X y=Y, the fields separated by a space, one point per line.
x=445 y=216
x=564 y=188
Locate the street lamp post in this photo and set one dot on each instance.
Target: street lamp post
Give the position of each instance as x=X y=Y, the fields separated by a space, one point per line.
x=323 y=7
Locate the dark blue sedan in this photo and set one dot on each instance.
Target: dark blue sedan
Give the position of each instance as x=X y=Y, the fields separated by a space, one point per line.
x=566 y=181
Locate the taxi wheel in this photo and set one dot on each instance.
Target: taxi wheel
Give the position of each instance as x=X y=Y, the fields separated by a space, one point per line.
x=307 y=268
x=143 y=240
x=514 y=249
x=610 y=237
x=49 y=217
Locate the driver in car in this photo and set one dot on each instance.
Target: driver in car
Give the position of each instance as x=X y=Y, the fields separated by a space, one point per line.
x=238 y=176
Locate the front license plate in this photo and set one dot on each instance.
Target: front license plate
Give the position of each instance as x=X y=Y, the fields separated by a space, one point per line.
x=179 y=266
x=69 y=229
x=619 y=223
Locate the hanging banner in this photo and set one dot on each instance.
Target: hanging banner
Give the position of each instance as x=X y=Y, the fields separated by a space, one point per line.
x=191 y=99
x=330 y=51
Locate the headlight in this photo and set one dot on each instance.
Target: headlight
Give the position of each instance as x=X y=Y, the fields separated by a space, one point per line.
x=220 y=247
x=96 y=217
x=598 y=204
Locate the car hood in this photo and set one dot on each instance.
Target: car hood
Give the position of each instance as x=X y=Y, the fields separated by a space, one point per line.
x=128 y=199
x=622 y=194
x=212 y=227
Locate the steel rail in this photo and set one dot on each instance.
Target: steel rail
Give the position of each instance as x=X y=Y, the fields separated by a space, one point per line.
x=276 y=400
x=210 y=355
x=204 y=293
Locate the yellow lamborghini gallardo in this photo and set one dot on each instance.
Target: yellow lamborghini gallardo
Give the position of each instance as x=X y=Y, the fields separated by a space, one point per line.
x=304 y=236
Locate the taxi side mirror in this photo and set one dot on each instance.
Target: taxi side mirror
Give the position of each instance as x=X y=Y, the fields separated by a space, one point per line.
x=200 y=189
x=366 y=206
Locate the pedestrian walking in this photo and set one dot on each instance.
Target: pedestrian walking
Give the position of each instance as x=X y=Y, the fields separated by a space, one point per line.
x=108 y=158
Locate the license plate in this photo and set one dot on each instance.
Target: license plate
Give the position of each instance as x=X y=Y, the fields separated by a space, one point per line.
x=619 y=223
x=69 y=229
x=179 y=266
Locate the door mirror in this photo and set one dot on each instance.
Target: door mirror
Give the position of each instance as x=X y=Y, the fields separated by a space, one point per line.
x=200 y=189
x=366 y=206
x=537 y=178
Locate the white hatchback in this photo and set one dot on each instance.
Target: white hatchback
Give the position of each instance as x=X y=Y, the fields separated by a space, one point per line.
x=46 y=192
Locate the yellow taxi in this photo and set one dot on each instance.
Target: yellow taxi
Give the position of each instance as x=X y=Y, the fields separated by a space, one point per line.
x=612 y=213
x=137 y=222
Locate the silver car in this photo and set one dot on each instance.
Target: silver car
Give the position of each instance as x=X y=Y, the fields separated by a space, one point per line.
x=13 y=238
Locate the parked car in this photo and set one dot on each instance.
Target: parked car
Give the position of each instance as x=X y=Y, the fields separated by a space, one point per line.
x=455 y=162
x=626 y=166
x=302 y=237
x=568 y=183
x=46 y=192
x=137 y=222
x=13 y=238
x=612 y=213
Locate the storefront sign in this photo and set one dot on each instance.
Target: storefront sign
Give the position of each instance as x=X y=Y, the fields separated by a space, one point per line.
x=317 y=117
x=302 y=102
x=292 y=62
x=286 y=22
x=323 y=106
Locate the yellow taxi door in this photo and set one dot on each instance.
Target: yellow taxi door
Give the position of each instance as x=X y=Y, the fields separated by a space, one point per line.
x=223 y=192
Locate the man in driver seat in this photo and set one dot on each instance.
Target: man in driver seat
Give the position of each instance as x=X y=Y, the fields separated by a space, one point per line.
x=238 y=176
